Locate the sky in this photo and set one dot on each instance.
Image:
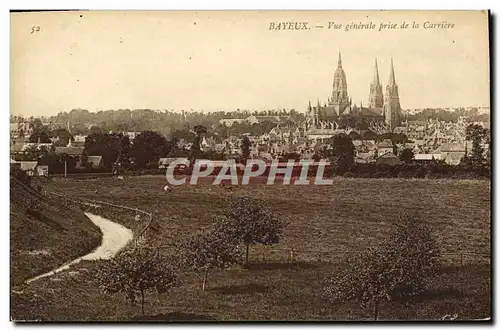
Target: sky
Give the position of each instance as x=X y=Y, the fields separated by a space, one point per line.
x=224 y=60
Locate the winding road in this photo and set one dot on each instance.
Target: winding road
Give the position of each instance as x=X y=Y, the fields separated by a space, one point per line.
x=114 y=237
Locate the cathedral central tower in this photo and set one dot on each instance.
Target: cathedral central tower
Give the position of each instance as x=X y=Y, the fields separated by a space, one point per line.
x=339 y=100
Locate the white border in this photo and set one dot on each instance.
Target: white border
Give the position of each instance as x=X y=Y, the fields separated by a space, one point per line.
x=199 y=4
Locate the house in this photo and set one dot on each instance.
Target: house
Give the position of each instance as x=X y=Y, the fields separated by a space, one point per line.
x=451 y=153
x=14 y=165
x=365 y=157
x=132 y=134
x=426 y=157
x=231 y=121
x=71 y=150
x=164 y=162
x=42 y=170
x=38 y=146
x=29 y=167
x=388 y=159
x=385 y=146
x=95 y=161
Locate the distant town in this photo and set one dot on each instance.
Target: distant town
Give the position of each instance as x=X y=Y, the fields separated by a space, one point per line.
x=380 y=132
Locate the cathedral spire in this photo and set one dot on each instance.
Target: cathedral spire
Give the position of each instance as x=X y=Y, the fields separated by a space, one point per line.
x=376 y=79
x=339 y=65
x=392 y=77
x=392 y=107
x=376 y=98
x=309 y=107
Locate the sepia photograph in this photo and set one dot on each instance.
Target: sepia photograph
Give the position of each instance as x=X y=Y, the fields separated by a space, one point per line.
x=239 y=166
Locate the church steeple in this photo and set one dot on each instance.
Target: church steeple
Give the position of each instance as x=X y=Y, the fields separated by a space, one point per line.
x=376 y=98
x=376 y=79
x=339 y=63
x=392 y=108
x=392 y=77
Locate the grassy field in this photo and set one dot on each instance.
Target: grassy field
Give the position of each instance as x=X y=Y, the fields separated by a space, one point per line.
x=352 y=214
x=44 y=239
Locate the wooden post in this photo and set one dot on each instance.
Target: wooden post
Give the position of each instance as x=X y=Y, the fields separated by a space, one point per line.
x=291 y=254
x=461 y=260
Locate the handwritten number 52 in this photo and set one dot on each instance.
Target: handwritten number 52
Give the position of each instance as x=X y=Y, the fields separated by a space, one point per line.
x=35 y=28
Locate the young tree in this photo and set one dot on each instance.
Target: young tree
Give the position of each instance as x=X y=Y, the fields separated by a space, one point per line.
x=365 y=279
x=250 y=222
x=398 y=269
x=134 y=272
x=412 y=251
x=206 y=251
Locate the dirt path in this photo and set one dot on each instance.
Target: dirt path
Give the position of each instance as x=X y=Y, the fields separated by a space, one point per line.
x=114 y=237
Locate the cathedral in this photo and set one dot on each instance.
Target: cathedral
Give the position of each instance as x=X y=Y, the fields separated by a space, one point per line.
x=383 y=113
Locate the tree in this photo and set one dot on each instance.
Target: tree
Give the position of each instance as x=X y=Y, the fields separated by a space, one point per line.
x=110 y=146
x=63 y=136
x=476 y=133
x=412 y=251
x=148 y=148
x=35 y=153
x=96 y=130
x=364 y=279
x=40 y=134
x=206 y=251
x=245 y=148
x=342 y=150
x=134 y=272
x=200 y=130
x=250 y=222
x=354 y=135
x=195 y=150
x=398 y=269
x=406 y=156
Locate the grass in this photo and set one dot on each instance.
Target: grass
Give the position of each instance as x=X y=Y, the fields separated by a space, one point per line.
x=352 y=214
x=45 y=239
x=287 y=292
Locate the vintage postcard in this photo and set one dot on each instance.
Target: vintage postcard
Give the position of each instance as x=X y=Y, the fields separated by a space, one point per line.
x=201 y=166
